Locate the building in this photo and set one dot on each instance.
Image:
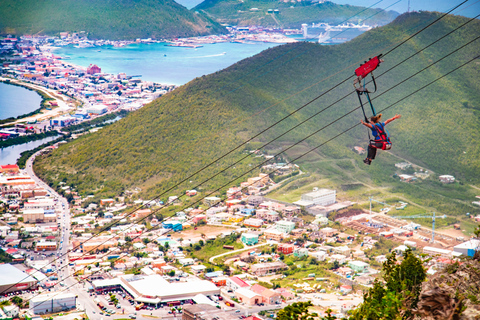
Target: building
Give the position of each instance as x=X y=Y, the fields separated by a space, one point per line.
x=319 y=255
x=403 y=165
x=300 y=252
x=235 y=283
x=97 y=109
x=155 y=290
x=93 y=68
x=322 y=197
x=437 y=251
x=211 y=201
x=45 y=204
x=205 y=311
x=359 y=266
x=338 y=257
x=447 y=178
x=186 y=262
x=33 y=216
x=328 y=232
x=268 y=296
x=10 y=169
x=267 y=215
x=13 y=279
x=172 y=224
x=52 y=302
x=250 y=238
x=467 y=248
x=255 y=200
x=45 y=246
x=406 y=178
x=11 y=311
x=285 y=248
x=285 y=226
x=248 y=297
x=261 y=269
x=252 y=222
x=273 y=234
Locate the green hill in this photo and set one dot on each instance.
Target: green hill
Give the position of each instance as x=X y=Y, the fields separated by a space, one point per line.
x=289 y=15
x=104 y=19
x=179 y=133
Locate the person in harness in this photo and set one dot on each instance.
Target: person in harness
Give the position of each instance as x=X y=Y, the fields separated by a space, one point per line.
x=380 y=134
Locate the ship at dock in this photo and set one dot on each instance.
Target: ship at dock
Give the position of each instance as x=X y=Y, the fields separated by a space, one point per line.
x=326 y=33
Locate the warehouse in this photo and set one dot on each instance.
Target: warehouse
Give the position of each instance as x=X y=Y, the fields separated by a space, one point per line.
x=155 y=289
x=52 y=302
x=12 y=279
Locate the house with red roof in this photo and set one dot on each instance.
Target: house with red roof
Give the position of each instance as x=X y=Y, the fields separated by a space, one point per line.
x=9 y=168
x=236 y=283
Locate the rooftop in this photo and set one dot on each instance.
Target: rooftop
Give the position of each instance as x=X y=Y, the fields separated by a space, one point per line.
x=10 y=275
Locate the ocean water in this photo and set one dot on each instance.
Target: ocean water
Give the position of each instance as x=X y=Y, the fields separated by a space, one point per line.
x=16 y=101
x=163 y=64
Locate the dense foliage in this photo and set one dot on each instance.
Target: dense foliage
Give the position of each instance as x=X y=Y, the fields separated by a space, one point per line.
x=290 y=15
x=104 y=19
x=181 y=132
x=398 y=295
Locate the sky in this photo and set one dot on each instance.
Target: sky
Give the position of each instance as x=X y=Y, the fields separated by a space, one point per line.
x=469 y=9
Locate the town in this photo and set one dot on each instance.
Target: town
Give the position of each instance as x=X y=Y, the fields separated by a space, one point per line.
x=233 y=257
x=72 y=94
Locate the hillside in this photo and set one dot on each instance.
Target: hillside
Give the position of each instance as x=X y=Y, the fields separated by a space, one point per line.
x=289 y=15
x=179 y=133
x=104 y=19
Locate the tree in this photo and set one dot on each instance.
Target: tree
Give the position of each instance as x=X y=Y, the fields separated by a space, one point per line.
x=398 y=296
x=297 y=310
x=17 y=300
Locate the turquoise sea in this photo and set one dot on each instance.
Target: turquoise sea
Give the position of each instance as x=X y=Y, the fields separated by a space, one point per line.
x=15 y=101
x=161 y=63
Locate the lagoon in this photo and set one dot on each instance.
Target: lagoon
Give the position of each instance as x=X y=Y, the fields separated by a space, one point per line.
x=16 y=101
x=160 y=63
x=10 y=155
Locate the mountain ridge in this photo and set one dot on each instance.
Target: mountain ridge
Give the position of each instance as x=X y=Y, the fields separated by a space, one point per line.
x=181 y=132
x=108 y=19
x=290 y=15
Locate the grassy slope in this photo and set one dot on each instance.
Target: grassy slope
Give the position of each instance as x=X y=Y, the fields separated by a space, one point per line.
x=291 y=15
x=186 y=129
x=104 y=19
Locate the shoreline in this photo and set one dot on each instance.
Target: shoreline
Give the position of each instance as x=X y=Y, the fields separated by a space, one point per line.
x=38 y=115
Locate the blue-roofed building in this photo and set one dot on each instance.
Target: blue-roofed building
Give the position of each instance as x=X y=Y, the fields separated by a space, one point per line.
x=172 y=224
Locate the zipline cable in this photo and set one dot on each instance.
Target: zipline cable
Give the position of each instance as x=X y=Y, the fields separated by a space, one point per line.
x=352 y=127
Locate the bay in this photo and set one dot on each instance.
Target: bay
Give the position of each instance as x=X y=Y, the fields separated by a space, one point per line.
x=160 y=63
x=10 y=155
x=16 y=101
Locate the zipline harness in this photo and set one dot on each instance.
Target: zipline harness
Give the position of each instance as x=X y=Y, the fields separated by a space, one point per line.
x=362 y=72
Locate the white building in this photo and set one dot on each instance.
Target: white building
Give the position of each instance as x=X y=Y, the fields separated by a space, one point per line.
x=322 y=197
x=52 y=302
x=437 y=251
x=447 y=178
x=155 y=289
x=467 y=248
x=285 y=226
x=319 y=255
